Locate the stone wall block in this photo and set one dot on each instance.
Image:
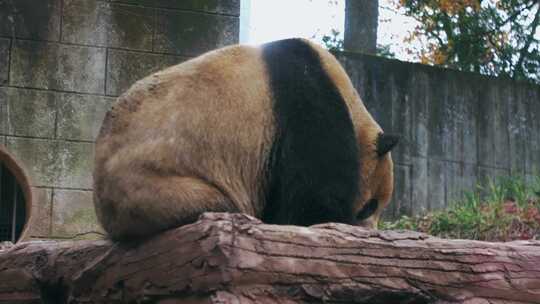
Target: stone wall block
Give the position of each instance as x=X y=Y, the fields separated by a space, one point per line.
x=377 y=88
x=400 y=203
x=5 y=46
x=454 y=109
x=228 y=7
x=36 y=157
x=58 y=67
x=401 y=112
x=3 y=110
x=53 y=163
x=419 y=184
x=460 y=178
x=30 y=19
x=493 y=124
x=465 y=92
x=452 y=124
x=532 y=142
x=469 y=177
x=30 y=112
x=518 y=129
x=355 y=68
x=486 y=174
x=436 y=184
x=439 y=122
x=101 y=23
x=73 y=213
x=80 y=116
x=124 y=68
x=40 y=222
x=421 y=101
x=75 y=163
x=191 y=34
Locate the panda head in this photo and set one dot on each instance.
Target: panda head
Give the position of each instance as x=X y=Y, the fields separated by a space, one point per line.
x=376 y=180
x=330 y=160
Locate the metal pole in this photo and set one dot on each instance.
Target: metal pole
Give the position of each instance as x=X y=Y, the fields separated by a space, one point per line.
x=14 y=221
x=1 y=174
x=1 y=195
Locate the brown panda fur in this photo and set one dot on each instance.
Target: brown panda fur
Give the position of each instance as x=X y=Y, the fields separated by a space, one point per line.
x=198 y=137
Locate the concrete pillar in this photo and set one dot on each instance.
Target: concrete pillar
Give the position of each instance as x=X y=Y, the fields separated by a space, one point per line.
x=361 y=20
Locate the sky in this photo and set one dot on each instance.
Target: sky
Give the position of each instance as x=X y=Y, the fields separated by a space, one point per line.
x=268 y=20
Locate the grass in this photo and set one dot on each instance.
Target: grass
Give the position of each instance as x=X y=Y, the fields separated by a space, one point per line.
x=504 y=209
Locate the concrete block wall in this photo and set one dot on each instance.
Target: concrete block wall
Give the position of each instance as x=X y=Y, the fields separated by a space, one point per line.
x=63 y=62
x=457 y=128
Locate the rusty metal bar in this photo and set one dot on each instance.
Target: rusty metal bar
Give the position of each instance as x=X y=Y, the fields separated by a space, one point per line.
x=1 y=177
x=14 y=213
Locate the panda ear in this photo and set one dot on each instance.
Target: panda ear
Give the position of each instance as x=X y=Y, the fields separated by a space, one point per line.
x=385 y=143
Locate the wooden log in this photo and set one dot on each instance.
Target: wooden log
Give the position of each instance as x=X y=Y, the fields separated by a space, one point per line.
x=234 y=258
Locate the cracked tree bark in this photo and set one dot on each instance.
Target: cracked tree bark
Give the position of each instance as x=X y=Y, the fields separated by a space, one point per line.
x=233 y=258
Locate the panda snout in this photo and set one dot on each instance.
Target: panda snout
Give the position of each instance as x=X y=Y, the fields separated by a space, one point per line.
x=363 y=217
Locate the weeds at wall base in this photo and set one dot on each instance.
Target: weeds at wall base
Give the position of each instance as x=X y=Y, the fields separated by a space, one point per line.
x=503 y=209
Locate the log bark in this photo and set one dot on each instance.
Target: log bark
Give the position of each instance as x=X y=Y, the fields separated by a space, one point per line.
x=234 y=258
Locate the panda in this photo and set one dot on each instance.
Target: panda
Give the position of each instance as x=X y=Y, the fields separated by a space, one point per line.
x=277 y=132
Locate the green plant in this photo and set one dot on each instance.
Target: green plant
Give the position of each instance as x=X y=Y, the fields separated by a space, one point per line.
x=503 y=209
x=333 y=42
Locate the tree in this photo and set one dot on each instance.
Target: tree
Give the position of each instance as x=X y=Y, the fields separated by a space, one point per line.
x=492 y=37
